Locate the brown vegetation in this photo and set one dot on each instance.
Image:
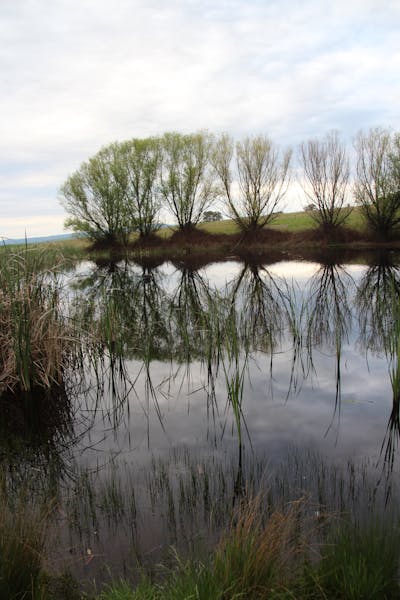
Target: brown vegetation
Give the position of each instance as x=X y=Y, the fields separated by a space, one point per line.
x=199 y=247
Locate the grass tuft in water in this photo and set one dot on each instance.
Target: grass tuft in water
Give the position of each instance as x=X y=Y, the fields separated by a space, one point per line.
x=35 y=340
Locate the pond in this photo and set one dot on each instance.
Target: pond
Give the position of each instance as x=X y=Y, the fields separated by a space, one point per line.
x=197 y=387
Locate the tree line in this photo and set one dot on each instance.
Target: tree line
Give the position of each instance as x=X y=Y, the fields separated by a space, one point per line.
x=123 y=187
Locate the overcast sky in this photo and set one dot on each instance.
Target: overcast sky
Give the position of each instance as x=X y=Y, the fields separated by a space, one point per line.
x=78 y=74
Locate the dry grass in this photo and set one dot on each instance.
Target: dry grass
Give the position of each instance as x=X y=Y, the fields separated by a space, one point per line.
x=259 y=554
x=35 y=341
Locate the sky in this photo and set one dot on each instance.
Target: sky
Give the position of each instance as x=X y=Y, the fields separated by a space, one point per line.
x=79 y=74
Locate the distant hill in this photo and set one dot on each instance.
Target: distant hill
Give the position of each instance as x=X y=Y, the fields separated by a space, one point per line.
x=37 y=240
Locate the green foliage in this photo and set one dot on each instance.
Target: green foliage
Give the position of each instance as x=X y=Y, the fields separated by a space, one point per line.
x=377 y=185
x=96 y=197
x=262 y=175
x=187 y=180
x=123 y=187
x=142 y=162
x=123 y=591
x=212 y=215
x=270 y=562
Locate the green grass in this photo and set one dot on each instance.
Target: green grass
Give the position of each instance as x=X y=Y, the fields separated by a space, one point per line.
x=303 y=221
x=358 y=563
x=291 y=222
x=227 y=226
x=253 y=560
x=272 y=559
x=52 y=253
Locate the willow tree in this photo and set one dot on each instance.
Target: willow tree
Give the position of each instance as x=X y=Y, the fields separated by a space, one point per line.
x=187 y=179
x=95 y=196
x=254 y=177
x=141 y=159
x=377 y=184
x=325 y=179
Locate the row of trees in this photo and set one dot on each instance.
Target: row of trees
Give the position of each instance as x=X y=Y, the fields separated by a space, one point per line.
x=125 y=185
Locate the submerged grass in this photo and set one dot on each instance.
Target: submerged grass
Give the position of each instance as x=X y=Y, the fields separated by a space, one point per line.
x=22 y=539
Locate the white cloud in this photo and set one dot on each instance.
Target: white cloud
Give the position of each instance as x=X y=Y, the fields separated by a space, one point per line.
x=18 y=227
x=79 y=74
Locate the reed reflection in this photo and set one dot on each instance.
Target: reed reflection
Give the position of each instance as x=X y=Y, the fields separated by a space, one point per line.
x=378 y=303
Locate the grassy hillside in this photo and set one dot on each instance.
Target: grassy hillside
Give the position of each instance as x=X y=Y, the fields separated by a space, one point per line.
x=295 y=221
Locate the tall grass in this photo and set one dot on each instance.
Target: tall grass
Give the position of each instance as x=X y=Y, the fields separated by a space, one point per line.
x=358 y=563
x=35 y=340
x=255 y=558
x=259 y=554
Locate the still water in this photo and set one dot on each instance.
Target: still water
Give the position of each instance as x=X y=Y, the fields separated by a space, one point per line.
x=199 y=385
x=309 y=345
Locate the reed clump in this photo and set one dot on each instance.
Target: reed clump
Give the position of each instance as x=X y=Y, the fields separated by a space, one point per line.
x=260 y=554
x=35 y=340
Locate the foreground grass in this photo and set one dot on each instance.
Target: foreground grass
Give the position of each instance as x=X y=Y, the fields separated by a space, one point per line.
x=270 y=547
x=273 y=561
x=288 y=554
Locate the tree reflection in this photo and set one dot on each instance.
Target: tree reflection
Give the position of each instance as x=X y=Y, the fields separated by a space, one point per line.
x=378 y=303
x=260 y=302
x=377 y=298
x=125 y=311
x=193 y=310
x=329 y=317
x=124 y=306
x=329 y=313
